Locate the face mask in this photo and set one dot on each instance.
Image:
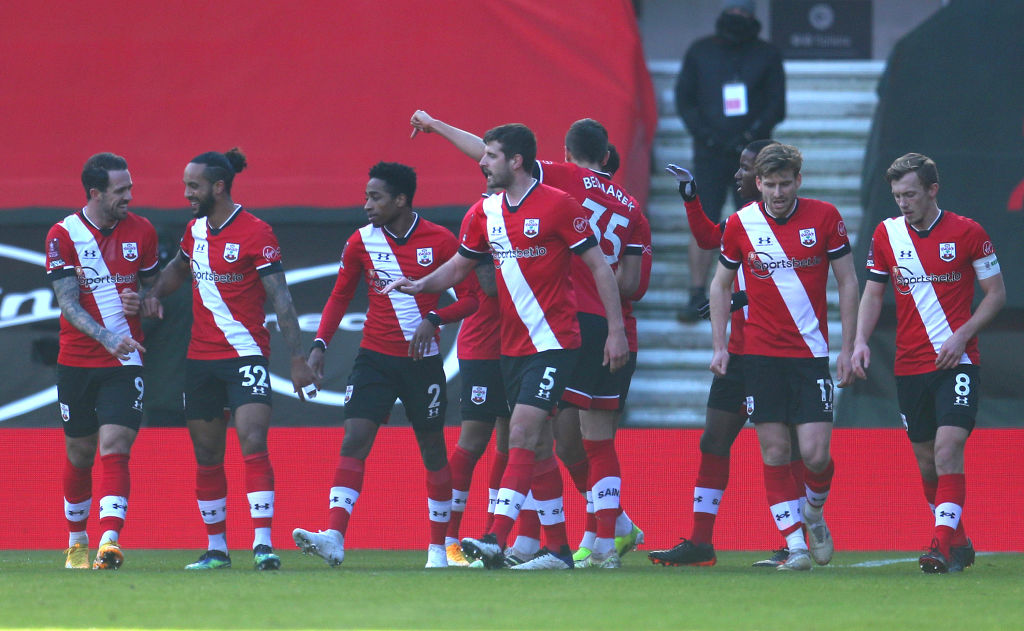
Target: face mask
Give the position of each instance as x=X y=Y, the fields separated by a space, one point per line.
x=737 y=29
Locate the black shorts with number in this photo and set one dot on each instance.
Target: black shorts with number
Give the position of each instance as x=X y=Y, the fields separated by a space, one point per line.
x=483 y=392
x=90 y=397
x=790 y=390
x=624 y=377
x=729 y=393
x=377 y=380
x=592 y=385
x=213 y=385
x=942 y=397
x=537 y=380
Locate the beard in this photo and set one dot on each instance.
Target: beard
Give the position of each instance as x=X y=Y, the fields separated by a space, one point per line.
x=204 y=207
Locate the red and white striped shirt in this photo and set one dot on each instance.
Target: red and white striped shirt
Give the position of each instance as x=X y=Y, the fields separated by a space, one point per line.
x=933 y=276
x=381 y=257
x=531 y=246
x=613 y=215
x=480 y=333
x=786 y=263
x=105 y=262
x=227 y=291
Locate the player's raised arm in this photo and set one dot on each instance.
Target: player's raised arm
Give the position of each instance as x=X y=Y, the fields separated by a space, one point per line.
x=466 y=142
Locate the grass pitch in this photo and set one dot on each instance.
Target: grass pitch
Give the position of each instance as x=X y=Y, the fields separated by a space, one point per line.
x=391 y=590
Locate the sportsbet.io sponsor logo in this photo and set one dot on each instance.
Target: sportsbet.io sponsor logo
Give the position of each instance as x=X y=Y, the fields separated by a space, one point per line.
x=500 y=254
x=89 y=279
x=199 y=274
x=904 y=279
x=762 y=265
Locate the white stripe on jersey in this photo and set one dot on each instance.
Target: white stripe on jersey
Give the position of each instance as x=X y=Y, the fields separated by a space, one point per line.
x=105 y=294
x=404 y=305
x=234 y=331
x=927 y=301
x=794 y=295
x=523 y=299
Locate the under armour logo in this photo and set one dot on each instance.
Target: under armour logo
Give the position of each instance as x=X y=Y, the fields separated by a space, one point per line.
x=117 y=506
x=258 y=506
x=697 y=499
x=383 y=256
x=906 y=254
x=506 y=502
x=88 y=254
x=436 y=513
x=211 y=513
x=782 y=515
x=960 y=401
x=943 y=513
x=76 y=512
x=764 y=240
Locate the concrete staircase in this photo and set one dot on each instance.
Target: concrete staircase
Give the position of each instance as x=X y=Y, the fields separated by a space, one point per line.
x=829 y=108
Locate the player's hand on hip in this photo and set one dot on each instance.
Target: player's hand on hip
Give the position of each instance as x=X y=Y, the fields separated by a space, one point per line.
x=421 y=122
x=152 y=308
x=130 y=302
x=720 y=362
x=315 y=361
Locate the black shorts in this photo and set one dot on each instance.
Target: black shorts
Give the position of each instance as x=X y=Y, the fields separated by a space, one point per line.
x=377 y=380
x=90 y=397
x=592 y=385
x=537 y=380
x=790 y=390
x=213 y=385
x=729 y=393
x=942 y=397
x=624 y=376
x=483 y=392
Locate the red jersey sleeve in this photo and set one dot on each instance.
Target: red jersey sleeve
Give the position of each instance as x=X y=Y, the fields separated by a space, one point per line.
x=732 y=239
x=150 y=250
x=344 y=288
x=187 y=242
x=267 y=251
x=61 y=257
x=708 y=235
x=878 y=263
x=573 y=225
x=643 y=233
x=473 y=233
x=837 y=241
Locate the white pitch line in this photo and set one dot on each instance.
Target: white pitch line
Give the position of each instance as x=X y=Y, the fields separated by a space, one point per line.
x=884 y=562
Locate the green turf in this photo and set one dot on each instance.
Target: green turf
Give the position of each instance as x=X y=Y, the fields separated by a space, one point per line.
x=390 y=590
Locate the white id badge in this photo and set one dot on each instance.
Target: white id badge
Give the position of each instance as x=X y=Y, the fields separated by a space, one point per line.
x=734 y=99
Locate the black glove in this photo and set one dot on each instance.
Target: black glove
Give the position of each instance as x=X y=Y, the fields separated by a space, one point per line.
x=738 y=301
x=688 y=190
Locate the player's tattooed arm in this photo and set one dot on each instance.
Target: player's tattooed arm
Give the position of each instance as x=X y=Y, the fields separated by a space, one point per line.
x=67 y=293
x=287 y=319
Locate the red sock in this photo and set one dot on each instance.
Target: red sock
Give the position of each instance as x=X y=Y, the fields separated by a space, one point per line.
x=212 y=495
x=528 y=523
x=817 y=485
x=461 y=463
x=712 y=479
x=796 y=469
x=606 y=484
x=348 y=484
x=115 y=485
x=547 y=493
x=259 y=488
x=494 y=483
x=783 y=498
x=439 y=502
x=77 y=495
x=514 y=486
x=950 y=495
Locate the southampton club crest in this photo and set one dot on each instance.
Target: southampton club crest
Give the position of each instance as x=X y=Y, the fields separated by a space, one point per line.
x=478 y=395
x=130 y=251
x=230 y=252
x=947 y=251
x=531 y=227
x=807 y=237
x=424 y=256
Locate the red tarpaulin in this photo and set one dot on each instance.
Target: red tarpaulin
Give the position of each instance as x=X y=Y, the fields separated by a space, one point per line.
x=314 y=92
